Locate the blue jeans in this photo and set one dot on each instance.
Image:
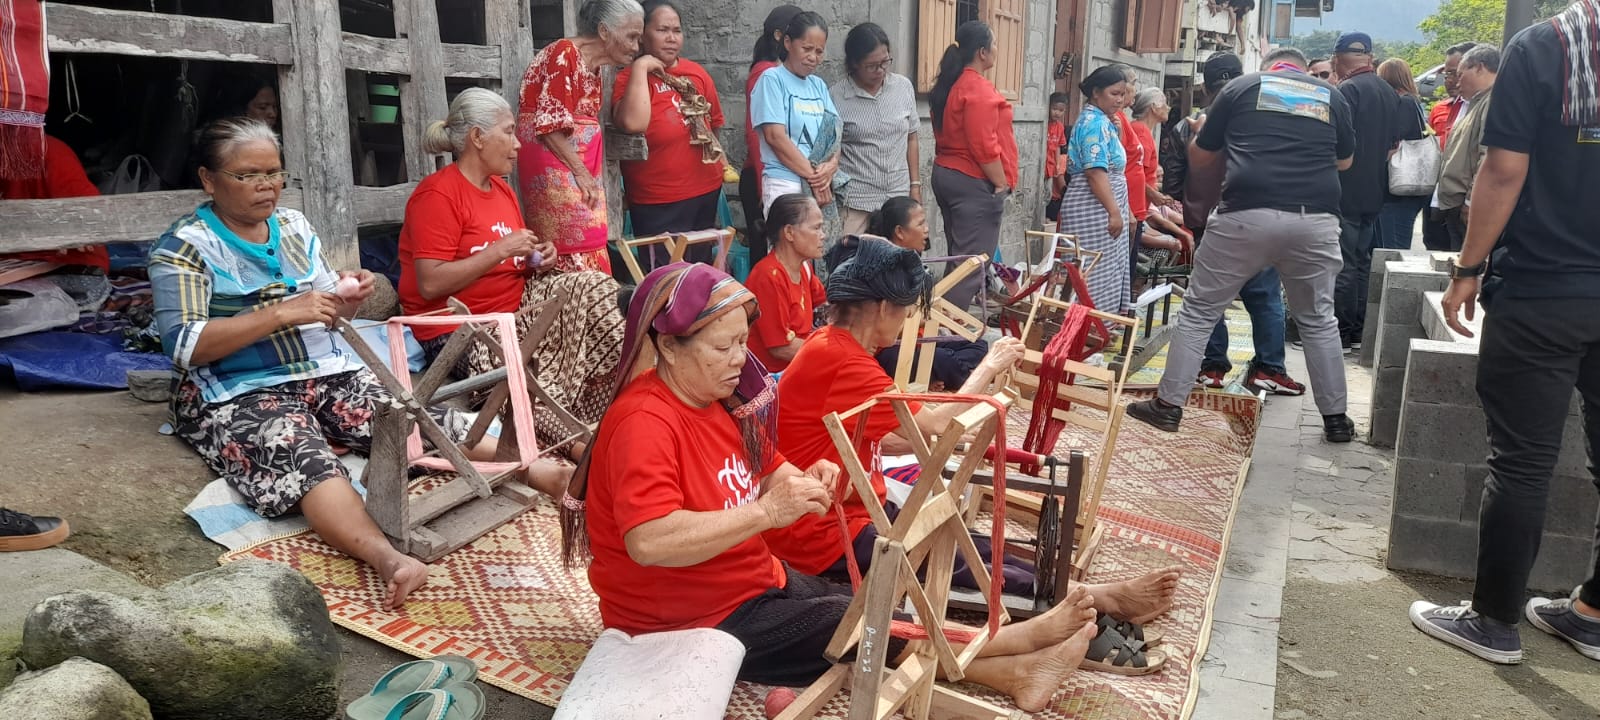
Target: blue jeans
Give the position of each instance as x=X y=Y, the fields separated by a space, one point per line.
x=1398 y=219
x=1263 y=299
x=1357 y=236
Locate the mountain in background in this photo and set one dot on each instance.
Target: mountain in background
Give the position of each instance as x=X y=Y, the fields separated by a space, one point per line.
x=1393 y=20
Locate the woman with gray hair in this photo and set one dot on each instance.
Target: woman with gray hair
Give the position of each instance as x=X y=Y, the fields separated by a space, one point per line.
x=464 y=237
x=562 y=154
x=244 y=299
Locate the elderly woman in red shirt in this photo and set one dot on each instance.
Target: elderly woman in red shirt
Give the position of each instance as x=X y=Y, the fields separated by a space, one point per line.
x=684 y=478
x=463 y=237
x=975 y=151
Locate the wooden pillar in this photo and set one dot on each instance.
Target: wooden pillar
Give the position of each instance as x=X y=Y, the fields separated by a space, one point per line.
x=569 y=18
x=422 y=95
x=315 y=116
x=508 y=27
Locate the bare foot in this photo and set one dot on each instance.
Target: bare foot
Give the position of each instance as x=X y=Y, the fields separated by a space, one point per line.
x=1044 y=671
x=402 y=574
x=1058 y=624
x=1139 y=600
x=549 y=477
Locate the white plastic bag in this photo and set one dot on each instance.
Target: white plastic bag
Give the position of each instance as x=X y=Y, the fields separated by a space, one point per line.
x=134 y=174
x=33 y=305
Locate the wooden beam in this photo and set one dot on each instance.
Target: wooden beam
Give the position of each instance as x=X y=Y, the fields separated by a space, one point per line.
x=382 y=205
x=422 y=95
x=508 y=27
x=55 y=224
x=319 y=142
x=392 y=57
x=81 y=29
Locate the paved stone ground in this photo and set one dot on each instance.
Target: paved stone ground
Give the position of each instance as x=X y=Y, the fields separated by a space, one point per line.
x=1310 y=624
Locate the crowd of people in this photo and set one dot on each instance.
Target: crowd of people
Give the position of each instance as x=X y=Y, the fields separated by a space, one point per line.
x=701 y=499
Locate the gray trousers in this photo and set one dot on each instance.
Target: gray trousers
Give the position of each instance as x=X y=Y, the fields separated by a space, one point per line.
x=971 y=211
x=1238 y=245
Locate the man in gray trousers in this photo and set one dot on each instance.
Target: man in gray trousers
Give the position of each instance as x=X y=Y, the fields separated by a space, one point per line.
x=1279 y=138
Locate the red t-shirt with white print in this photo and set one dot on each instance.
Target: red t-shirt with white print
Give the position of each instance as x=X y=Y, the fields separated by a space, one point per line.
x=653 y=456
x=448 y=218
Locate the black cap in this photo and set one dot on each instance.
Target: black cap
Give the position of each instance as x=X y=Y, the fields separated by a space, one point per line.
x=1222 y=67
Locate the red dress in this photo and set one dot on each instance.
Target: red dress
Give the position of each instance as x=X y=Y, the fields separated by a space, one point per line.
x=562 y=94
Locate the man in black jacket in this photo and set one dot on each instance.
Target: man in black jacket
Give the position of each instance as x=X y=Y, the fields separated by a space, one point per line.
x=1375 y=110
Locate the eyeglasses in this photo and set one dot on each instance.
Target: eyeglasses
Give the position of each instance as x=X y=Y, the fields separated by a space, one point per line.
x=273 y=178
x=1452 y=73
x=1325 y=74
x=879 y=66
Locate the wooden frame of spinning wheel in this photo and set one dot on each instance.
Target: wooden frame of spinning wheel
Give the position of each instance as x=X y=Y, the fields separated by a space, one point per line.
x=924 y=538
x=914 y=370
x=1105 y=398
x=676 y=244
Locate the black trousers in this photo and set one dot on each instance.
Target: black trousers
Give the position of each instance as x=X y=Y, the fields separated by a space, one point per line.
x=754 y=217
x=1534 y=352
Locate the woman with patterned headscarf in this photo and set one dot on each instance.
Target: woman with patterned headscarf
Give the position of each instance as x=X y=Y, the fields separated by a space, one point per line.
x=683 y=478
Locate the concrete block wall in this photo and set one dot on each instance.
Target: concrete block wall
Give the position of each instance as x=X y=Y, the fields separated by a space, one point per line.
x=1440 y=470
x=1381 y=257
x=1393 y=324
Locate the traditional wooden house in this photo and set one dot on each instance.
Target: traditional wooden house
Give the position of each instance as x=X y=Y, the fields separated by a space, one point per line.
x=353 y=164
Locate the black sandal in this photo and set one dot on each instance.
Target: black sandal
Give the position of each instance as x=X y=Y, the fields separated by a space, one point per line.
x=1133 y=631
x=1111 y=652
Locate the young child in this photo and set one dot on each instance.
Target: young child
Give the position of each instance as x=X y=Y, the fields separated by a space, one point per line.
x=1055 y=161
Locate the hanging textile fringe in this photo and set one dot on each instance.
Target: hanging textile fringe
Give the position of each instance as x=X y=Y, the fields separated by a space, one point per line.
x=24 y=88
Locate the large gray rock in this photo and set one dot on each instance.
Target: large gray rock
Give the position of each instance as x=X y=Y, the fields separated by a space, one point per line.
x=74 y=690
x=247 y=641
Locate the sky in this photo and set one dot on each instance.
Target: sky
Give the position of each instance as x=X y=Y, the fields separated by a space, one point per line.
x=1382 y=19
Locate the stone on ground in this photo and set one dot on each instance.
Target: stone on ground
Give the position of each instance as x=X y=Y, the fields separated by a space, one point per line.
x=74 y=690
x=247 y=641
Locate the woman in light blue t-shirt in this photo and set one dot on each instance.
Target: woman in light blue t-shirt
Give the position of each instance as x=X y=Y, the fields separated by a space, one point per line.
x=797 y=122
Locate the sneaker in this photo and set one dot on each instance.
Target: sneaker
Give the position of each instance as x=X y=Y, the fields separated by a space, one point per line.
x=1276 y=383
x=1212 y=379
x=1156 y=413
x=20 y=531
x=1338 y=428
x=1464 y=628
x=1561 y=619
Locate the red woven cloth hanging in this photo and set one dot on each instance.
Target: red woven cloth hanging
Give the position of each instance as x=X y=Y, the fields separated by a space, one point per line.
x=909 y=630
x=1068 y=344
x=24 y=88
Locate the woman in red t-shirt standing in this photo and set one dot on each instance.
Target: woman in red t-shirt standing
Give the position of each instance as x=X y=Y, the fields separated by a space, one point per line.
x=785 y=284
x=684 y=478
x=765 y=56
x=463 y=237
x=675 y=190
x=975 y=151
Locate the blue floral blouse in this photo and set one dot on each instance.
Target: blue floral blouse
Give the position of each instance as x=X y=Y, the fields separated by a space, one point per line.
x=1094 y=144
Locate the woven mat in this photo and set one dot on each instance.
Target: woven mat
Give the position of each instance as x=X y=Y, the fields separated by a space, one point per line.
x=506 y=602
x=1241 y=344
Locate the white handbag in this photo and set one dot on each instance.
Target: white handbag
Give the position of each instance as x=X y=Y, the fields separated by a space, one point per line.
x=1414 y=168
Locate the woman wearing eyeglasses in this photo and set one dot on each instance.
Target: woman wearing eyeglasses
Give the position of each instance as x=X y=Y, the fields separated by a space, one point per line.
x=878 y=109
x=244 y=299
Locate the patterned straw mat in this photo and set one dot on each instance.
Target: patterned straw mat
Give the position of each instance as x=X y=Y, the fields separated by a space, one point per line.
x=506 y=602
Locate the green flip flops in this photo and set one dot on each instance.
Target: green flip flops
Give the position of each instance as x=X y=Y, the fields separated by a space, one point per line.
x=407 y=678
x=456 y=701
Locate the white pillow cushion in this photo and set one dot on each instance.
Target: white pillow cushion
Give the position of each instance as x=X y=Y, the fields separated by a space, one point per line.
x=676 y=675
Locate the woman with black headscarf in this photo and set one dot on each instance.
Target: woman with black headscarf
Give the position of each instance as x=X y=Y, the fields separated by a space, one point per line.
x=1095 y=205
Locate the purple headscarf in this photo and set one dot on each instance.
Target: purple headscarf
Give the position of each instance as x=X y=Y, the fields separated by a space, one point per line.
x=679 y=300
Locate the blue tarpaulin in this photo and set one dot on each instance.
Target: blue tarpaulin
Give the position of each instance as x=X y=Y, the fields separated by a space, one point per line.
x=74 y=360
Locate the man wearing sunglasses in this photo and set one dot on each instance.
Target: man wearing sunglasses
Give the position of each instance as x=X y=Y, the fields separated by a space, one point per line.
x=1437 y=233
x=1322 y=68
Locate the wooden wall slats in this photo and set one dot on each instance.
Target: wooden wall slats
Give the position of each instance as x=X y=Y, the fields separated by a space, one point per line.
x=81 y=29
x=390 y=56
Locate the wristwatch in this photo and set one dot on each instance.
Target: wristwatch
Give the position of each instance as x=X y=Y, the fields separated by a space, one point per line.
x=1457 y=271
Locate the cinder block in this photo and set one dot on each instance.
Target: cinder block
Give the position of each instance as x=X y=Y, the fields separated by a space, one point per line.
x=1472 y=492
x=1428 y=489
x=1436 y=547
x=1369 y=336
x=1394 y=343
x=1385 y=427
x=1563 y=563
x=1447 y=433
x=1574 y=506
x=1388 y=388
x=1441 y=372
